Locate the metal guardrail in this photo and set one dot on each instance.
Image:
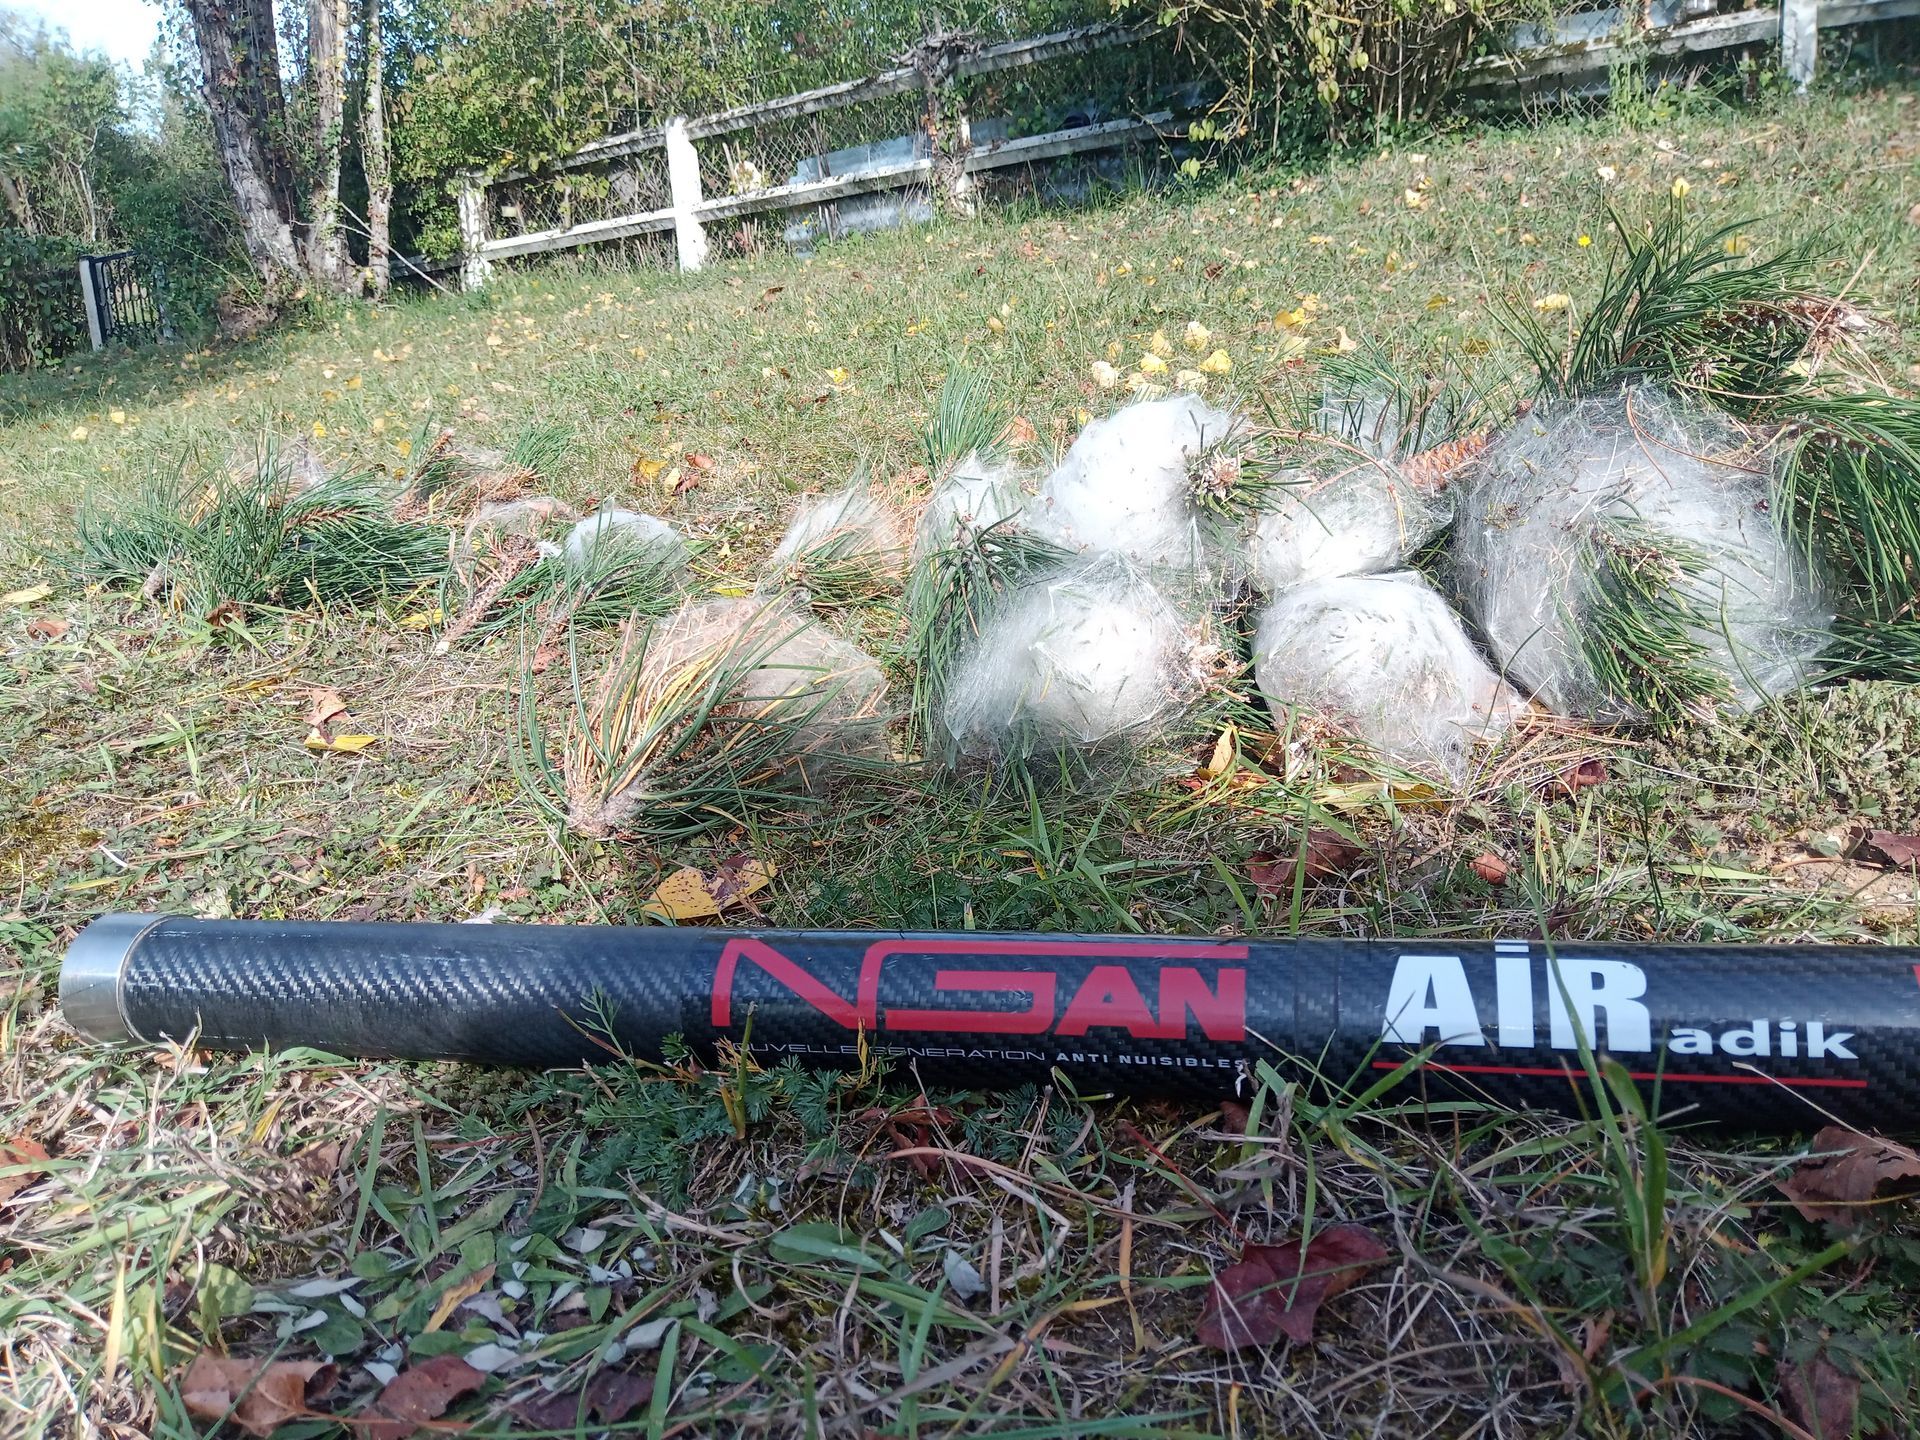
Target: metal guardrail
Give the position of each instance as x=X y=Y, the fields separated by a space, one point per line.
x=122 y=298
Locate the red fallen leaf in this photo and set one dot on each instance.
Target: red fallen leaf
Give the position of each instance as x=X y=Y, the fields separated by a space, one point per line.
x=417 y=1396
x=1820 y=1397
x=20 y=1151
x=227 y=612
x=1235 y=1117
x=610 y=1396
x=1019 y=431
x=1491 y=868
x=1326 y=854
x=1273 y=1292
x=257 y=1395
x=1884 y=847
x=47 y=628
x=1572 y=781
x=917 y=1127
x=700 y=462
x=1847 y=1172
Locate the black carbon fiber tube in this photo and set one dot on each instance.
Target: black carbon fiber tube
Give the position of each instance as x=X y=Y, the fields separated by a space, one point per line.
x=1751 y=1036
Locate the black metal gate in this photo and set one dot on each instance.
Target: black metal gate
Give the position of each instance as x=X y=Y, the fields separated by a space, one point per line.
x=125 y=300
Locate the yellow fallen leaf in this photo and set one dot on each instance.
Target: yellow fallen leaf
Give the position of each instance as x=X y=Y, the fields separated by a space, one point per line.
x=99 y=884
x=319 y=431
x=458 y=1295
x=687 y=894
x=1292 y=319
x=645 y=469
x=423 y=619
x=354 y=383
x=339 y=744
x=118 y=417
x=1152 y=364
x=1218 y=363
x=838 y=374
x=1104 y=375
x=79 y=432
x=1553 y=302
x=27 y=596
x=1196 y=337
x=1159 y=345
x=1344 y=342
x=1222 y=756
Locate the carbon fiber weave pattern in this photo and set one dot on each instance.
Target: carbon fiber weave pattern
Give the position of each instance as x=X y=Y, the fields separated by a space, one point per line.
x=1745 y=1035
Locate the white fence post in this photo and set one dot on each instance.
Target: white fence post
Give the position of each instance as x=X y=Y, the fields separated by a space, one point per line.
x=92 y=302
x=474 y=265
x=683 y=182
x=1800 y=40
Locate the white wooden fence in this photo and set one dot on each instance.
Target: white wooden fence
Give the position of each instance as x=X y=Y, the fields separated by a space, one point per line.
x=1571 y=57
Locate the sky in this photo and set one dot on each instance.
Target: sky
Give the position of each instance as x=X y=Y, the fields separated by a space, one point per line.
x=123 y=29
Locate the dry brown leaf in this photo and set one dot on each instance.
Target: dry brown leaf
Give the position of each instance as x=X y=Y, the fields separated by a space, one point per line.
x=48 y=628
x=1326 y=854
x=417 y=1397
x=1819 y=1396
x=323 y=704
x=1235 y=1118
x=1491 y=868
x=1847 y=1173
x=1884 y=847
x=699 y=462
x=227 y=612
x=610 y=1396
x=1575 y=778
x=1020 y=431
x=766 y=296
x=1275 y=1291
x=20 y=1151
x=257 y=1395
x=459 y=1294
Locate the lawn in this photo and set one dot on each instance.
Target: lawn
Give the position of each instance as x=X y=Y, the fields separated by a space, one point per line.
x=736 y=1253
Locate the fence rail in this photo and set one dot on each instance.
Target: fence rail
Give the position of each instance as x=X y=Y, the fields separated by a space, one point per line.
x=936 y=161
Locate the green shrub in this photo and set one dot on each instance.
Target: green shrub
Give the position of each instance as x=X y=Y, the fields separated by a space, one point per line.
x=1369 y=65
x=42 y=316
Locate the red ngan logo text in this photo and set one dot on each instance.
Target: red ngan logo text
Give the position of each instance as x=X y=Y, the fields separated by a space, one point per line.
x=1158 y=993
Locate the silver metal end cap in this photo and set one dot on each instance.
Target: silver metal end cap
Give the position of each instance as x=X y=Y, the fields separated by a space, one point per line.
x=90 y=976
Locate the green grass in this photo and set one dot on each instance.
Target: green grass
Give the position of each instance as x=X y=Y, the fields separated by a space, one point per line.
x=784 y=1273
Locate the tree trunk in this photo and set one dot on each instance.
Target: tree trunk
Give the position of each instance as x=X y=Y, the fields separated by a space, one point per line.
x=259 y=68
x=327 y=70
x=17 y=205
x=373 y=154
x=229 y=69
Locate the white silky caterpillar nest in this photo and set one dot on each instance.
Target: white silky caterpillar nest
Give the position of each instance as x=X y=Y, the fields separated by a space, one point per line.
x=1125 y=485
x=1087 y=655
x=1383 y=658
x=1637 y=478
